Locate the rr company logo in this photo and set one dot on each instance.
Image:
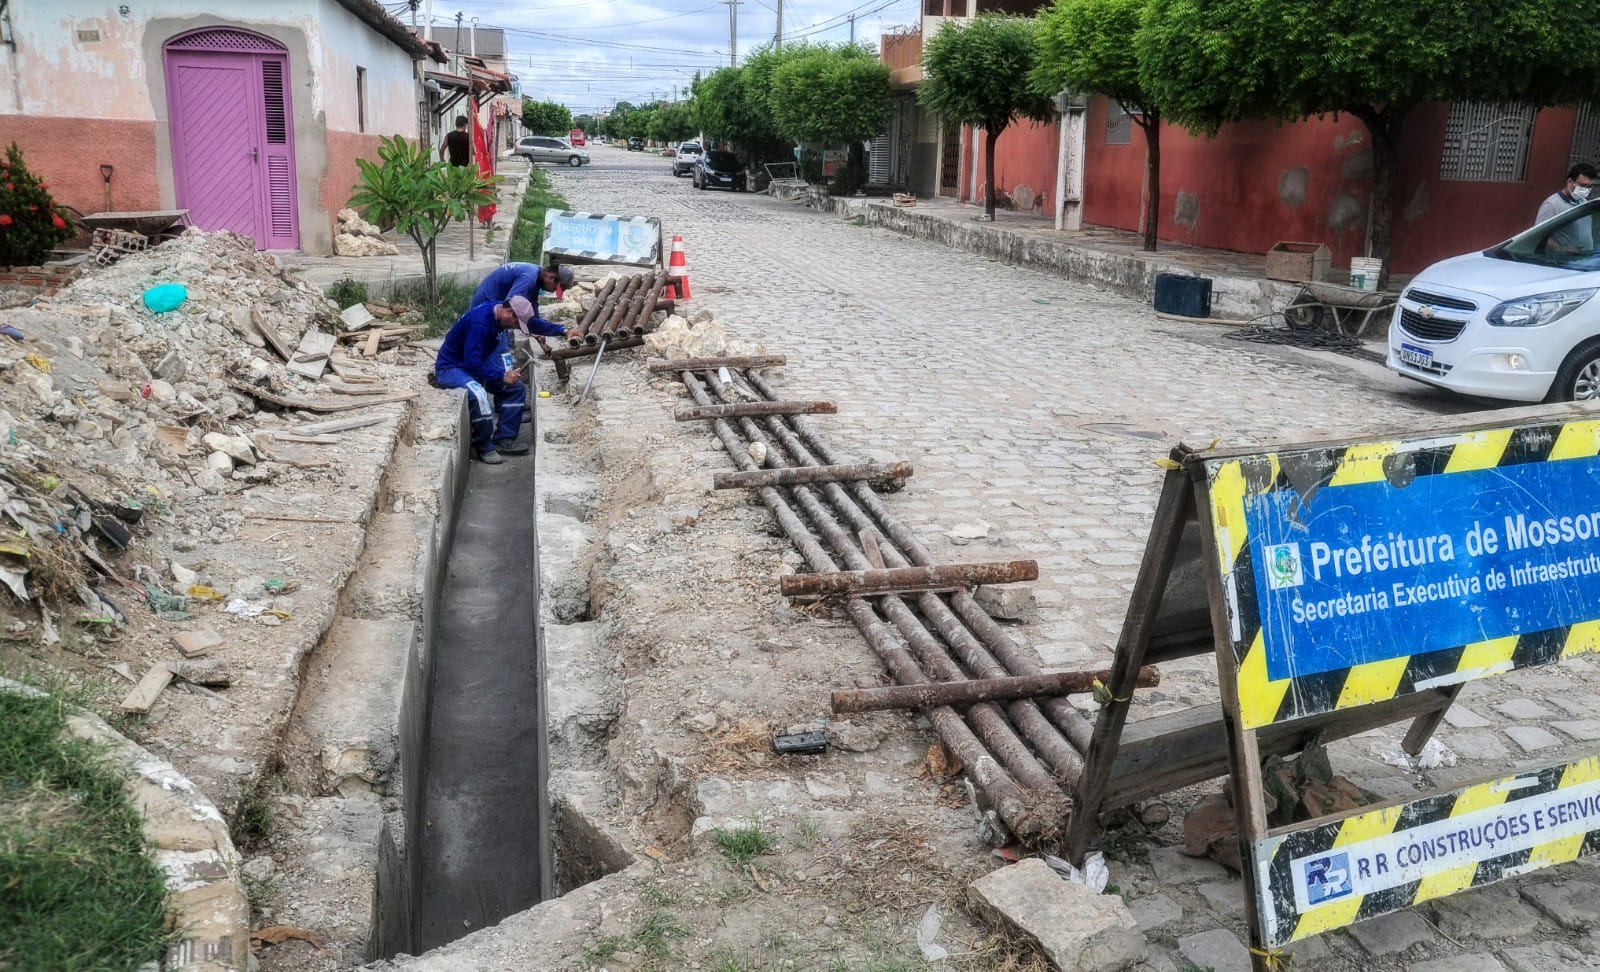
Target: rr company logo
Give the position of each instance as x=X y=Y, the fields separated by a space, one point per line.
x=1325 y=878
x=1283 y=566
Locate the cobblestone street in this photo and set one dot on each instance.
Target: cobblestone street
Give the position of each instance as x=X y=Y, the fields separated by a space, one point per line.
x=1039 y=407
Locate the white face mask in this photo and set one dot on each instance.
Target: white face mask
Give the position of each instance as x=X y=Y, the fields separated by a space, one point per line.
x=1580 y=193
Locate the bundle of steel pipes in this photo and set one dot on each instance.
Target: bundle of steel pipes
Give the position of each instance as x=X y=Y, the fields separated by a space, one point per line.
x=622 y=309
x=1024 y=755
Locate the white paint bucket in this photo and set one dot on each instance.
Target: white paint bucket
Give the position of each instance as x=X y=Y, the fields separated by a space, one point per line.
x=1364 y=272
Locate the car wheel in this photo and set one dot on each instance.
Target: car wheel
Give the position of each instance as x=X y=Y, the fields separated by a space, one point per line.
x=574 y=161
x=1579 y=377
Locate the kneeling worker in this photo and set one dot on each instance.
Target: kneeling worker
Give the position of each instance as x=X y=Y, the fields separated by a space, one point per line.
x=470 y=358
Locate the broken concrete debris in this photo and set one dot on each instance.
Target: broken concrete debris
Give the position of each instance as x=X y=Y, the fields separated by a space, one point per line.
x=355 y=237
x=1075 y=927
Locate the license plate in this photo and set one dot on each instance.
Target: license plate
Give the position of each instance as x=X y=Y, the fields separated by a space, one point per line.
x=1412 y=355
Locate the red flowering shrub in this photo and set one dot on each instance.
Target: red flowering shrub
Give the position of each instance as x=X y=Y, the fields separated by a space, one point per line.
x=30 y=223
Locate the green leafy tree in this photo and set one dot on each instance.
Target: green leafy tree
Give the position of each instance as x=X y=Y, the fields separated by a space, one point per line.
x=638 y=122
x=31 y=224
x=419 y=197
x=614 y=124
x=588 y=123
x=832 y=95
x=672 y=123
x=546 y=117
x=1209 y=62
x=1083 y=47
x=977 y=73
x=760 y=139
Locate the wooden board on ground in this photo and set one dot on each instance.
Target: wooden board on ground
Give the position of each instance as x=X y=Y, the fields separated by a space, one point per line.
x=312 y=356
x=195 y=643
x=337 y=425
x=345 y=388
x=317 y=405
x=149 y=688
x=270 y=334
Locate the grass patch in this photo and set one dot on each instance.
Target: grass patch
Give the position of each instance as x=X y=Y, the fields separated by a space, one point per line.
x=252 y=824
x=652 y=937
x=454 y=300
x=745 y=844
x=78 y=888
x=348 y=292
x=527 y=235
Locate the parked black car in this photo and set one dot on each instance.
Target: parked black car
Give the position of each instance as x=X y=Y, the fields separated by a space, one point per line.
x=635 y=144
x=720 y=169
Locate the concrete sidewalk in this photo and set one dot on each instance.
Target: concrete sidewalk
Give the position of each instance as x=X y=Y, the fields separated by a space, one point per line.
x=1107 y=258
x=383 y=274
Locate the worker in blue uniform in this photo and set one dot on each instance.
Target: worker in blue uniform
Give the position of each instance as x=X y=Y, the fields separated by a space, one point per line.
x=471 y=358
x=522 y=280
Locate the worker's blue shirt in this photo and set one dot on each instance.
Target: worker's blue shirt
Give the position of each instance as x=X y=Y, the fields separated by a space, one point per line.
x=472 y=345
x=516 y=280
x=509 y=280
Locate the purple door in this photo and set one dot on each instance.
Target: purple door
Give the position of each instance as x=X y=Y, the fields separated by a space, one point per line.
x=232 y=143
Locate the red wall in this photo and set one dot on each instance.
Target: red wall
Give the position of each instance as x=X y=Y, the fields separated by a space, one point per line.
x=1025 y=155
x=1257 y=183
x=67 y=153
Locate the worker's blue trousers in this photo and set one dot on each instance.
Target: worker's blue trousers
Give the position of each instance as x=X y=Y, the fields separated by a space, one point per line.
x=495 y=407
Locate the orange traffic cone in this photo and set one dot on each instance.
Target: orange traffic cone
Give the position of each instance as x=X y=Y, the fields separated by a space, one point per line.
x=678 y=270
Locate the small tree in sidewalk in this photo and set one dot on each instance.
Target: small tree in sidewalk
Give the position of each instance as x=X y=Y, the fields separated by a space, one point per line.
x=419 y=197
x=1084 y=46
x=977 y=74
x=31 y=224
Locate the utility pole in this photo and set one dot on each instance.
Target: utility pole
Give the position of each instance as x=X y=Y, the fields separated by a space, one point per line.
x=778 y=43
x=427 y=22
x=733 y=31
x=455 y=43
x=852 y=28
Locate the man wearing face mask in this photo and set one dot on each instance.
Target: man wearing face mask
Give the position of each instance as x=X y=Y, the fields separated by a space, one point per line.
x=1578 y=235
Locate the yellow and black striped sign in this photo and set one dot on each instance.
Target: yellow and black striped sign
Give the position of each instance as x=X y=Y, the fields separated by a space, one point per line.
x=1265 y=502
x=1373 y=863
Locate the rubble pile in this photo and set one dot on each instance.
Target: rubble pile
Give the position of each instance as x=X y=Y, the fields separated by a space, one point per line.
x=355 y=237
x=118 y=423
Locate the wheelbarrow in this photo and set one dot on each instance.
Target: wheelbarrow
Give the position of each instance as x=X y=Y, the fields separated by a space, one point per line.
x=1339 y=308
x=158 y=224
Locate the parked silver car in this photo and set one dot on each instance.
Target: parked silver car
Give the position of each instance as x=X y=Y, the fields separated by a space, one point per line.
x=684 y=159
x=544 y=148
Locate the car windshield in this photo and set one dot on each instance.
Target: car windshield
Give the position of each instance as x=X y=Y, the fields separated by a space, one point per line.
x=722 y=160
x=1567 y=242
x=689 y=147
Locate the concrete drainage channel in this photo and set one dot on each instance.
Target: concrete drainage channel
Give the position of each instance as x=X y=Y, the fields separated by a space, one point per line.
x=420 y=751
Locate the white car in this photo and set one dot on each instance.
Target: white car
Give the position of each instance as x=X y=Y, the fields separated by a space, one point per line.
x=1514 y=322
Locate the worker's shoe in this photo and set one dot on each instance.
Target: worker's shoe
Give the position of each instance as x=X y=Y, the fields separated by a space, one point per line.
x=511 y=448
x=491 y=458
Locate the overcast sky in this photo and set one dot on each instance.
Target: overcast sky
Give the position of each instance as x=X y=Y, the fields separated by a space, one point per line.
x=590 y=54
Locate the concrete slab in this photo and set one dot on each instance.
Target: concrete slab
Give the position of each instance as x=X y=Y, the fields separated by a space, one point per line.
x=1076 y=928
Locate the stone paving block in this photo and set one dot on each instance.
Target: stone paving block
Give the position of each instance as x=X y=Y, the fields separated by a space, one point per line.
x=1482 y=744
x=1391 y=934
x=1586 y=730
x=1172 y=866
x=1522 y=709
x=1549 y=957
x=1310 y=953
x=1496 y=912
x=1577 y=703
x=1218 y=949
x=1570 y=904
x=1532 y=738
x=1154 y=911
x=1470 y=962
x=1226 y=898
x=1462 y=717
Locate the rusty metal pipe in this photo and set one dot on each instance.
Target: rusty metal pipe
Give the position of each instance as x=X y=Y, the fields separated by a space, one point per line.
x=1062 y=738
x=865 y=471
x=1063 y=756
x=986 y=718
x=744 y=409
x=641 y=324
x=711 y=364
x=1014 y=805
x=575 y=334
x=1071 y=723
x=898 y=580
x=930 y=694
x=606 y=327
x=584 y=350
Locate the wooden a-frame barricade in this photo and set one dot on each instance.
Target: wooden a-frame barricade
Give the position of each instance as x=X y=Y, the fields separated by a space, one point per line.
x=1235 y=541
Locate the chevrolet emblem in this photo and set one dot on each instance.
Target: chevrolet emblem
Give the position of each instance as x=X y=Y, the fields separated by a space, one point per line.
x=1426 y=313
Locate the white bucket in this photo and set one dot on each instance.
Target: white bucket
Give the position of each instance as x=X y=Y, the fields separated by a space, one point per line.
x=1364 y=272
